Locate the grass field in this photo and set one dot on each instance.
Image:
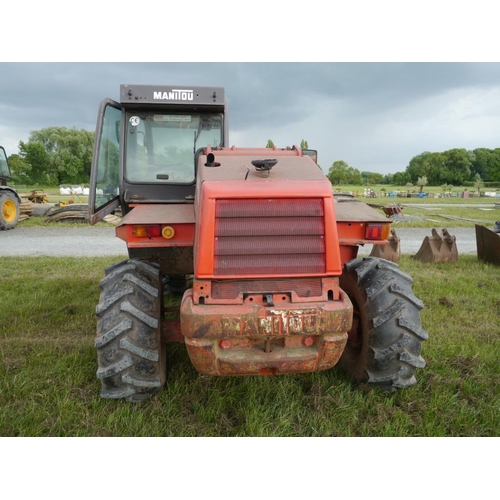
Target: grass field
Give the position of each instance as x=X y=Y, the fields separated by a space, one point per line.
x=48 y=385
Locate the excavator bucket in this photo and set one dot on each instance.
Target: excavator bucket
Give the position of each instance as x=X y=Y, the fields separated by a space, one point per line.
x=391 y=250
x=437 y=248
x=488 y=244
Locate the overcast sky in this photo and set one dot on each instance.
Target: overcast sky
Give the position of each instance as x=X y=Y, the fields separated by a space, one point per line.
x=374 y=116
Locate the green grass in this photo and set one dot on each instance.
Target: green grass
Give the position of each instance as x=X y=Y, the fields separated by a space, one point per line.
x=35 y=221
x=424 y=214
x=48 y=385
x=448 y=216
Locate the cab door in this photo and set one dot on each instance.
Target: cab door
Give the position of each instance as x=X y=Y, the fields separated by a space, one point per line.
x=4 y=167
x=104 y=193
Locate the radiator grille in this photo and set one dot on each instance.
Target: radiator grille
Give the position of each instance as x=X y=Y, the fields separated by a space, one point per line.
x=269 y=236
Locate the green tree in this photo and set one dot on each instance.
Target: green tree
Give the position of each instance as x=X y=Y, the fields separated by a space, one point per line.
x=426 y=164
x=494 y=166
x=486 y=163
x=354 y=176
x=371 y=178
x=478 y=183
x=418 y=166
x=480 y=164
x=20 y=170
x=69 y=152
x=338 y=172
x=303 y=144
x=454 y=166
x=341 y=173
x=422 y=182
x=401 y=178
x=456 y=169
x=270 y=144
x=37 y=162
x=388 y=179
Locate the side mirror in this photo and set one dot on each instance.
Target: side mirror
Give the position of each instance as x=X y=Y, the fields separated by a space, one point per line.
x=312 y=153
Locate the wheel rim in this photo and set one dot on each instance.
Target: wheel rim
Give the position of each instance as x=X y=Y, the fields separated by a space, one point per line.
x=9 y=211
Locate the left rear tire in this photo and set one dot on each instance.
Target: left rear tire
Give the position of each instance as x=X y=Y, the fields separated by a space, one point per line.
x=131 y=355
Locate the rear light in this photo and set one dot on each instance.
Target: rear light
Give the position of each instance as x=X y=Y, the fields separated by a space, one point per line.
x=377 y=231
x=149 y=231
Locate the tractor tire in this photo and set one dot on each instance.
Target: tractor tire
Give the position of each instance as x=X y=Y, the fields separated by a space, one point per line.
x=385 y=342
x=131 y=356
x=10 y=210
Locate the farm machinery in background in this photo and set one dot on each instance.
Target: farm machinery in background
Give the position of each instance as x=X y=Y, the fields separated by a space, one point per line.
x=434 y=248
x=252 y=239
x=16 y=207
x=488 y=243
x=10 y=201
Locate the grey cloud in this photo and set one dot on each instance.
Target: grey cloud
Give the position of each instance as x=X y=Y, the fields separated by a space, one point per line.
x=369 y=114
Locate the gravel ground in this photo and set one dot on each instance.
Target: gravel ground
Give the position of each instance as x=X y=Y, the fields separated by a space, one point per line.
x=85 y=241
x=88 y=241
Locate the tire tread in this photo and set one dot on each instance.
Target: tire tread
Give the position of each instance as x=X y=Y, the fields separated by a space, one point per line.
x=130 y=352
x=390 y=321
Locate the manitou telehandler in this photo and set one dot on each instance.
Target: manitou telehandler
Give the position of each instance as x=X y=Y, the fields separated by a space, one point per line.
x=265 y=257
x=10 y=202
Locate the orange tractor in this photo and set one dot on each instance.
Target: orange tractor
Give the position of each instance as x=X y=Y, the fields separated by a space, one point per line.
x=264 y=257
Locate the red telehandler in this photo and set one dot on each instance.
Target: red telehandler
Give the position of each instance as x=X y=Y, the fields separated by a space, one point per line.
x=263 y=255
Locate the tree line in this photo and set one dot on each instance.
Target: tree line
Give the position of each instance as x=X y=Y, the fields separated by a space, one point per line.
x=342 y=173
x=455 y=167
x=60 y=155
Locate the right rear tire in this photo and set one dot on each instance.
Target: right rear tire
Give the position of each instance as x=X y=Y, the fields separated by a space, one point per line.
x=131 y=356
x=384 y=345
